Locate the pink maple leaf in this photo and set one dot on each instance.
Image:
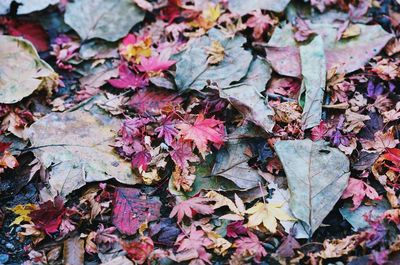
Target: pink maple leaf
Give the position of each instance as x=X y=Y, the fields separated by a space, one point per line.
x=358 y=189
x=128 y=79
x=319 y=132
x=250 y=245
x=191 y=207
x=167 y=130
x=182 y=154
x=202 y=131
x=141 y=160
x=259 y=23
x=154 y=64
x=195 y=240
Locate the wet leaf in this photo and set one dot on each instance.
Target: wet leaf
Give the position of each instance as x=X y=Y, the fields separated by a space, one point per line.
x=22 y=71
x=317 y=176
x=72 y=163
x=105 y=19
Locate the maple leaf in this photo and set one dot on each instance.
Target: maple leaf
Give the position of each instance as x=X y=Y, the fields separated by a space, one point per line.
x=152 y=101
x=167 y=130
x=7 y=160
x=319 y=132
x=128 y=79
x=202 y=131
x=131 y=209
x=267 y=214
x=141 y=160
x=183 y=179
x=393 y=155
x=131 y=128
x=190 y=207
x=238 y=207
x=195 y=241
x=381 y=141
x=139 y=251
x=250 y=246
x=358 y=189
x=23 y=212
x=134 y=48
x=182 y=154
x=259 y=23
x=154 y=65
x=215 y=53
x=48 y=216
x=235 y=229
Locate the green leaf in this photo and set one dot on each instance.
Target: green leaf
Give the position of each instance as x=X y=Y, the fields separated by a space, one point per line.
x=21 y=70
x=244 y=7
x=247 y=98
x=76 y=147
x=317 y=176
x=313 y=69
x=105 y=19
x=193 y=71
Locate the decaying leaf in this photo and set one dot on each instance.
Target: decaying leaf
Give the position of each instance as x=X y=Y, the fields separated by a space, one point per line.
x=317 y=176
x=131 y=209
x=22 y=71
x=72 y=163
x=105 y=19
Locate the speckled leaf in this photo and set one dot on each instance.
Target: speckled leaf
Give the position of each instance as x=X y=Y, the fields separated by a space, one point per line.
x=244 y=7
x=21 y=69
x=313 y=70
x=105 y=19
x=76 y=148
x=317 y=176
x=347 y=55
x=193 y=72
x=247 y=98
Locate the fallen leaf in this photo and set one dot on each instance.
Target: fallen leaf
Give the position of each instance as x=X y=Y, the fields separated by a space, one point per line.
x=193 y=71
x=131 y=209
x=250 y=246
x=313 y=70
x=139 y=251
x=152 y=101
x=71 y=164
x=22 y=212
x=267 y=214
x=74 y=251
x=98 y=19
x=243 y=8
x=247 y=98
x=317 y=176
x=203 y=131
x=22 y=70
x=191 y=207
x=357 y=190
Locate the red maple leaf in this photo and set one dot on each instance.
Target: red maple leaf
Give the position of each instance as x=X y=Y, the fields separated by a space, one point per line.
x=358 y=189
x=319 y=132
x=49 y=215
x=131 y=209
x=191 y=207
x=196 y=241
x=202 y=131
x=250 y=246
x=393 y=155
x=128 y=79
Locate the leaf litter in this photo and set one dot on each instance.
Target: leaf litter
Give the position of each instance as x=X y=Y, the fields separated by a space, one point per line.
x=199 y=132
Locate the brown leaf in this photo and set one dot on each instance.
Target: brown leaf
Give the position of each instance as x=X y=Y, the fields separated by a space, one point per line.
x=74 y=251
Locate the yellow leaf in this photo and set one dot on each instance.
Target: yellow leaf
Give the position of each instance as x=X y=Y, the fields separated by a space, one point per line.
x=221 y=201
x=220 y=244
x=23 y=212
x=212 y=13
x=267 y=214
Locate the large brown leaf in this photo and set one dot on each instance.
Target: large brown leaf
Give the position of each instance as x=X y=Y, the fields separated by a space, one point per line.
x=317 y=176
